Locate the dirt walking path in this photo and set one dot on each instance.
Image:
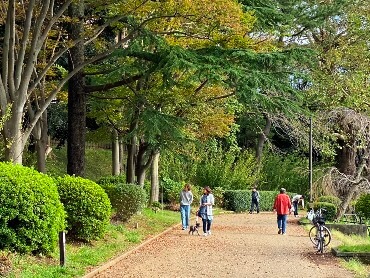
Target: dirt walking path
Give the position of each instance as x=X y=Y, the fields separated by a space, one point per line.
x=241 y=246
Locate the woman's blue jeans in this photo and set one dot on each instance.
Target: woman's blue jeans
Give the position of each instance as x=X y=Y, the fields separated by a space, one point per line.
x=281 y=222
x=185 y=215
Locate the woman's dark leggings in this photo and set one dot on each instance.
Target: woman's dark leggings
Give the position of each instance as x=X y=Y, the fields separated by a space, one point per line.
x=206 y=225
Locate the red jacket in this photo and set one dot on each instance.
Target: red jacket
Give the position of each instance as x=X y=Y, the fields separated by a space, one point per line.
x=282 y=204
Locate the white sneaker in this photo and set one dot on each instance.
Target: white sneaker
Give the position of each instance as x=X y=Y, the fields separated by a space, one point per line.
x=205 y=234
x=209 y=232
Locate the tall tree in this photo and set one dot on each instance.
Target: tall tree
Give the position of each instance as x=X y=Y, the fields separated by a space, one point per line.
x=76 y=94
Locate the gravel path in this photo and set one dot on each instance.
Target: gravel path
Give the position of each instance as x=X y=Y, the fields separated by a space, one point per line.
x=241 y=245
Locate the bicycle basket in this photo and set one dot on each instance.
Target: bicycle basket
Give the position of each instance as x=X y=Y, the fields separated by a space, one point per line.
x=318 y=219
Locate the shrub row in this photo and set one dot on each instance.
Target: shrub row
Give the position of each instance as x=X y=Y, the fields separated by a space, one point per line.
x=87 y=206
x=35 y=208
x=240 y=200
x=331 y=209
x=126 y=199
x=31 y=214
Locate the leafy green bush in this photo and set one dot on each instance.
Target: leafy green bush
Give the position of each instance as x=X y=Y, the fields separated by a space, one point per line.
x=126 y=199
x=289 y=171
x=218 y=193
x=237 y=200
x=87 y=205
x=31 y=212
x=171 y=190
x=363 y=206
x=229 y=170
x=331 y=209
x=330 y=199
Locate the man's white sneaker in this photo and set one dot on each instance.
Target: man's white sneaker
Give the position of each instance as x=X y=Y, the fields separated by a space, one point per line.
x=209 y=232
x=205 y=234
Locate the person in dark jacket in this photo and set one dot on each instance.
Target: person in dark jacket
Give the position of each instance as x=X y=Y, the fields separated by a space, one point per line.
x=255 y=200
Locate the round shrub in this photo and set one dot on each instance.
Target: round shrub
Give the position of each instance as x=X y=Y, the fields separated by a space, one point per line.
x=31 y=214
x=87 y=205
x=126 y=199
x=331 y=210
x=330 y=199
x=363 y=206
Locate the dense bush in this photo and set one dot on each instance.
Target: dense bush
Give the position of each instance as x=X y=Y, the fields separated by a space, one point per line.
x=240 y=200
x=87 y=205
x=237 y=200
x=171 y=190
x=218 y=193
x=331 y=209
x=288 y=171
x=330 y=199
x=31 y=212
x=363 y=206
x=227 y=169
x=126 y=199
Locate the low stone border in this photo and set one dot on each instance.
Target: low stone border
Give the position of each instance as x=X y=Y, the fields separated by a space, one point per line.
x=364 y=257
x=121 y=257
x=349 y=229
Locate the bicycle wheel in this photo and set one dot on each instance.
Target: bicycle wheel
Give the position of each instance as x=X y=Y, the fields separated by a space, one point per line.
x=313 y=235
x=326 y=235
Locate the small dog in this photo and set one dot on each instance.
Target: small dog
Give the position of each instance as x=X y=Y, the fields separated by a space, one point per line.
x=194 y=228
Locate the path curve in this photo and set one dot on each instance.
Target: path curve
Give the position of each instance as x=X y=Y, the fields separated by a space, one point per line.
x=241 y=245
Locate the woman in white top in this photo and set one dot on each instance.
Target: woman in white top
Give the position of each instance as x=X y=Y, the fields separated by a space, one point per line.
x=206 y=209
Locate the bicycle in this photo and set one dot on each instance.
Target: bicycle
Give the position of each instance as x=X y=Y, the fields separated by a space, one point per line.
x=319 y=234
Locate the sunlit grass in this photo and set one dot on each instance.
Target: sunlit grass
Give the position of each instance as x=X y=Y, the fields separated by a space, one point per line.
x=351 y=239
x=361 y=270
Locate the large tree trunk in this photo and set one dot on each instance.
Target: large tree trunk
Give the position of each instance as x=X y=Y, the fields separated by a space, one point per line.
x=115 y=154
x=131 y=159
x=121 y=157
x=76 y=97
x=346 y=158
x=141 y=165
x=14 y=138
x=154 y=180
x=353 y=187
x=132 y=150
x=41 y=129
x=263 y=137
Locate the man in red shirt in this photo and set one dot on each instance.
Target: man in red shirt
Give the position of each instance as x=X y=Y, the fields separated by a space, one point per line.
x=282 y=207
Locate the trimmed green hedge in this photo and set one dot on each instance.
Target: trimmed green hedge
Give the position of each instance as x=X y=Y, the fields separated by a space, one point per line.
x=331 y=210
x=329 y=199
x=240 y=200
x=31 y=214
x=126 y=199
x=87 y=205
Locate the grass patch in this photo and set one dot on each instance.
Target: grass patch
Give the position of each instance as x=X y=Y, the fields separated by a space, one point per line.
x=82 y=258
x=355 y=248
x=360 y=270
x=350 y=240
x=98 y=163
